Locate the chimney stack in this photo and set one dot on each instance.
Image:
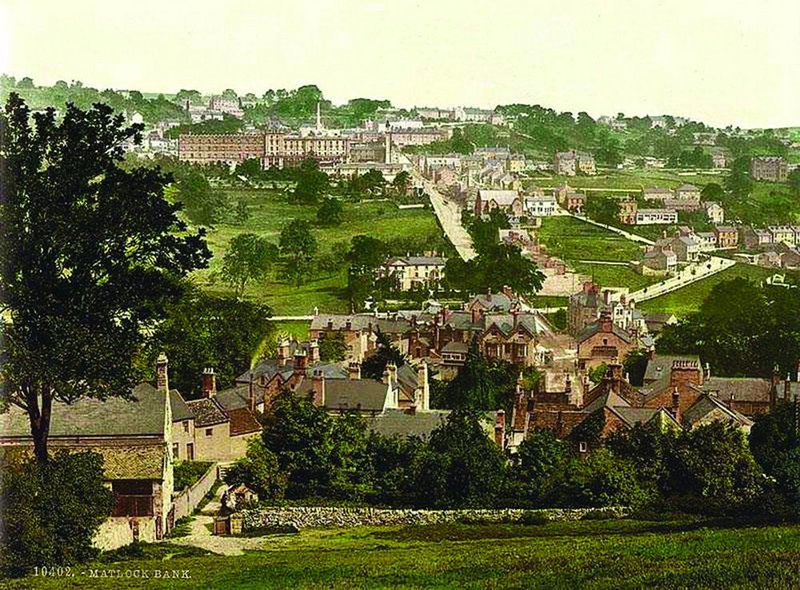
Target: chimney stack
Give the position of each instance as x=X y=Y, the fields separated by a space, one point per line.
x=251 y=390
x=162 y=373
x=300 y=362
x=313 y=351
x=787 y=387
x=283 y=352
x=209 y=382
x=675 y=410
x=500 y=429
x=424 y=386
x=773 y=390
x=605 y=322
x=354 y=371
x=318 y=391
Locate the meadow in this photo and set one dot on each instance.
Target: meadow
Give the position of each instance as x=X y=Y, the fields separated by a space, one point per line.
x=688 y=299
x=270 y=212
x=585 y=554
x=571 y=239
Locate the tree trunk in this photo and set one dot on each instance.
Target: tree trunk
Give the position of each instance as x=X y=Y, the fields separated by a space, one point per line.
x=40 y=419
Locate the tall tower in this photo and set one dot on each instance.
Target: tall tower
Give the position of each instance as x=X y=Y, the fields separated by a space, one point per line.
x=387 y=144
x=319 y=118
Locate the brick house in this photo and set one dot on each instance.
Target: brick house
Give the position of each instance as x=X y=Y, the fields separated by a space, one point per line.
x=508 y=201
x=603 y=342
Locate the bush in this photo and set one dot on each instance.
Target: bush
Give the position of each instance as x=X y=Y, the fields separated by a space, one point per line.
x=602 y=480
x=51 y=511
x=186 y=473
x=259 y=471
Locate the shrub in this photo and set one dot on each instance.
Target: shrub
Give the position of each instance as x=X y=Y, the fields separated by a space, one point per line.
x=51 y=511
x=259 y=471
x=186 y=473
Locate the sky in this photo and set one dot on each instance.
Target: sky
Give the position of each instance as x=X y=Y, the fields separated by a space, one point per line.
x=720 y=61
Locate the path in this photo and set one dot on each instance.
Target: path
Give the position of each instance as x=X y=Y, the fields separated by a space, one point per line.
x=200 y=533
x=616 y=230
x=448 y=212
x=690 y=274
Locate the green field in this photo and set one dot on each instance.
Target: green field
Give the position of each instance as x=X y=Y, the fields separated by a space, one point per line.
x=296 y=329
x=631 y=180
x=584 y=554
x=615 y=276
x=572 y=239
x=688 y=299
x=269 y=212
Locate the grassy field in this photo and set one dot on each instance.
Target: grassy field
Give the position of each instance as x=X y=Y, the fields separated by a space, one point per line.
x=584 y=554
x=572 y=239
x=615 y=276
x=269 y=212
x=688 y=299
x=633 y=180
x=296 y=329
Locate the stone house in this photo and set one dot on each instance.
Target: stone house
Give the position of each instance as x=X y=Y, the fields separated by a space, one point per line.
x=659 y=261
x=134 y=437
x=686 y=248
x=773 y=168
x=656 y=216
x=687 y=192
x=714 y=212
x=627 y=211
x=783 y=233
x=657 y=194
x=727 y=236
x=413 y=272
x=508 y=201
x=572 y=162
x=576 y=202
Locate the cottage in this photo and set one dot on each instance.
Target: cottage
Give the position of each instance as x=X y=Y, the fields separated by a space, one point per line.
x=714 y=212
x=542 y=206
x=508 y=201
x=414 y=272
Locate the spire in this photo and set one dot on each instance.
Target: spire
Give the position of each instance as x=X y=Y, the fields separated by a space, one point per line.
x=319 y=118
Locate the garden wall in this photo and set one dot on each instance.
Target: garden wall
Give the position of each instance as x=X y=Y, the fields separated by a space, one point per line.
x=310 y=517
x=188 y=499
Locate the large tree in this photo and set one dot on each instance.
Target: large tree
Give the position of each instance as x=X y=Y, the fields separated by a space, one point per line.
x=89 y=253
x=298 y=245
x=249 y=258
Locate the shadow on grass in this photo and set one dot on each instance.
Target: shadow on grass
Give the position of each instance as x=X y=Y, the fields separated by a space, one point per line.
x=582 y=528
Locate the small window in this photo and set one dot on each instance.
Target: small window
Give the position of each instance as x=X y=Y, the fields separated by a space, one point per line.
x=583 y=447
x=209 y=431
x=186 y=426
x=175 y=451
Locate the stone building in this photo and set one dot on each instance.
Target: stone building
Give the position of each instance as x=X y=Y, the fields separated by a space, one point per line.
x=603 y=342
x=774 y=168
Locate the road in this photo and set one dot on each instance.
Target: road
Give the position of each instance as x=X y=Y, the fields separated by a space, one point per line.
x=448 y=212
x=691 y=274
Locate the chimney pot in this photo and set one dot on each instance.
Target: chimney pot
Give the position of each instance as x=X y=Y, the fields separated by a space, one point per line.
x=162 y=372
x=209 y=382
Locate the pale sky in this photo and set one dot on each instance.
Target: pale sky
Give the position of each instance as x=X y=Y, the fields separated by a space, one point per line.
x=720 y=61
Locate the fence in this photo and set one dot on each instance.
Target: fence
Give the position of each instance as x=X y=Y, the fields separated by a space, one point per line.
x=185 y=502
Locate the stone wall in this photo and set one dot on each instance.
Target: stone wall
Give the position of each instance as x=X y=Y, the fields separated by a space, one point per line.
x=311 y=517
x=188 y=499
x=117 y=531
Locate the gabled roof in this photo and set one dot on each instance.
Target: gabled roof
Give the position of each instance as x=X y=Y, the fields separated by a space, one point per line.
x=143 y=415
x=501 y=197
x=594 y=328
x=207 y=412
x=416 y=261
x=706 y=404
x=366 y=395
x=661 y=365
x=235 y=397
x=402 y=424
x=180 y=411
x=243 y=422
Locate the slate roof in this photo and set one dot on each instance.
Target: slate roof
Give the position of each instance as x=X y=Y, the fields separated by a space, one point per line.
x=594 y=328
x=207 y=412
x=751 y=389
x=501 y=197
x=708 y=403
x=235 y=397
x=608 y=399
x=662 y=365
x=180 y=411
x=270 y=367
x=456 y=347
x=416 y=261
x=366 y=395
x=499 y=301
x=399 y=423
x=141 y=416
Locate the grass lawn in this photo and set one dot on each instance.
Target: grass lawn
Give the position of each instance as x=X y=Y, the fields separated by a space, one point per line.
x=584 y=554
x=269 y=212
x=688 y=299
x=572 y=239
x=548 y=301
x=615 y=276
x=633 y=180
x=298 y=330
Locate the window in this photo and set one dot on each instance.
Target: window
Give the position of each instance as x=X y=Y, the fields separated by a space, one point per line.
x=583 y=447
x=186 y=426
x=175 y=448
x=209 y=431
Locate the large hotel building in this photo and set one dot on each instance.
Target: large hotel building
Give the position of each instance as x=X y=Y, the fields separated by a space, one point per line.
x=273 y=149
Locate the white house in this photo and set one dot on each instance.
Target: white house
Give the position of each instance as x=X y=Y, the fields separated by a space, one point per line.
x=541 y=206
x=656 y=216
x=714 y=212
x=415 y=271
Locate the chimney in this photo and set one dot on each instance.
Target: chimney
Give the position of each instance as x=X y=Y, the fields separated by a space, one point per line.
x=488 y=294
x=348 y=325
x=422 y=383
x=300 y=362
x=568 y=384
x=500 y=429
x=476 y=314
x=162 y=373
x=684 y=372
x=787 y=387
x=330 y=324
x=615 y=370
x=514 y=317
x=251 y=390
x=675 y=410
x=313 y=351
x=708 y=371
x=773 y=390
x=318 y=389
x=605 y=322
x=283 y=352
x=209 y=383
x=354 y=371
x=392 y=368
x=386 y=376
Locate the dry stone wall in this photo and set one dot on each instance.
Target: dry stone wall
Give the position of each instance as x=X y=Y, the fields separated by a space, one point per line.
x=313 y=517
